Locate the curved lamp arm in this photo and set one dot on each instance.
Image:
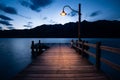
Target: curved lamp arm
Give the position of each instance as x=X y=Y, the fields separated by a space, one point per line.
x=63 y=13
x=69 y=8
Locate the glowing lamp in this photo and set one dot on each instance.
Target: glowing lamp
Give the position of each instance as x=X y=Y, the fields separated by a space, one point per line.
x=63 y=13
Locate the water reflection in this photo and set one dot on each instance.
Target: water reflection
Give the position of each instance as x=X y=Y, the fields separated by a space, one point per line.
x=14 y=56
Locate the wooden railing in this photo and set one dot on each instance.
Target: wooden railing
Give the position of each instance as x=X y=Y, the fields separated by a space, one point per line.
x=36 y=49
x=81 y=47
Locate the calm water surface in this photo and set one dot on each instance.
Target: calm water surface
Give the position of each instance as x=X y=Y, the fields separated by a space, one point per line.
x=15 y=54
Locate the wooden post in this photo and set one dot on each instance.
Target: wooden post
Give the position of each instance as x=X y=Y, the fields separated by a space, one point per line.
x=39 y=47
x=86 y=47
x=80 y=46
x=98 y=55
x=76 y=45
x=37 y=50
x=72 y=43
x=39 y=41
x=32 y=48
x=82 y=52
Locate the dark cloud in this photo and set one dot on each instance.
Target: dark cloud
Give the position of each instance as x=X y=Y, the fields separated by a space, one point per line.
x=5 y=23
x=10 y=28
x=10 y=10
x=7 y=9
x=2 y=6
x=45 y=18
x=36 y=5
x=25 y=3
x=96 y=13
x=51 y=21
x=24 y=16
x=72 y=14
x=0 y=28
x=29 y=25
x=5 y=17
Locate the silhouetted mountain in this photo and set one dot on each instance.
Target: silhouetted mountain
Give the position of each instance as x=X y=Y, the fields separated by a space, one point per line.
x=101 y=28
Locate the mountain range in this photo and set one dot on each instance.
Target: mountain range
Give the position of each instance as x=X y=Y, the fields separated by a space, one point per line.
x=96 y=29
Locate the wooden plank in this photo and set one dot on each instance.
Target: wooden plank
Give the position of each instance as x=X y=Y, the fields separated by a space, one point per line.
x=90 y=53
x=91 y=45
x=59 y=71
x=113 y=65
x=85 y=78
x=61 y=75
x=60 y=68
x=56 y=66
x=111 y=49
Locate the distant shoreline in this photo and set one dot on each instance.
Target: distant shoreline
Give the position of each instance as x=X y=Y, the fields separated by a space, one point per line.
x=59 y=37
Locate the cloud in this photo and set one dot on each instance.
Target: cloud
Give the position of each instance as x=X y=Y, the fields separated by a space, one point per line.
x=36 y=5
x=10 y=10
x=2 y=6
x=0 y=28
x=5 y=18
x=96 y=13
x=5 y=23
x=29 y=25
x=10 y=28
x=25 y=3
x=45 y=18
x=72 y=14
x=51 y=21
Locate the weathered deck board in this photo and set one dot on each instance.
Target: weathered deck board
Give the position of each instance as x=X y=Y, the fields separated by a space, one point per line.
x=60 y=63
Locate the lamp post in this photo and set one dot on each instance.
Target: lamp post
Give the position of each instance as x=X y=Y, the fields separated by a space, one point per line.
x=63 y=13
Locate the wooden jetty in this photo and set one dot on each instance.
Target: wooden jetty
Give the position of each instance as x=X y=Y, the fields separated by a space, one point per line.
x=60 y=62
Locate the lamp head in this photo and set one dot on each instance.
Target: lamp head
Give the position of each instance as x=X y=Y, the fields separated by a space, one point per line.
x=63 y=13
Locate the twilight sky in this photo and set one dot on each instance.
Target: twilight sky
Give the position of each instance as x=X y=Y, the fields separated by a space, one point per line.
x=20 y=14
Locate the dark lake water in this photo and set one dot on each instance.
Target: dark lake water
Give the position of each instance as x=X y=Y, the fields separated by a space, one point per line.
x=15 y=54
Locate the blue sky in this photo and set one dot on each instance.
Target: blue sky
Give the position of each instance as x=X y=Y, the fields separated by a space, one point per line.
x=26 y=13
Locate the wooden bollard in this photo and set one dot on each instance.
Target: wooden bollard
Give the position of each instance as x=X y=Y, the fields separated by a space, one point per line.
x=39 y=42
x=80 y=45
x=77 y=45
x=82 y=52
x=32 y=48
x=98 y=55
x=39 y=47
x=72 y=43
x=86 y=47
